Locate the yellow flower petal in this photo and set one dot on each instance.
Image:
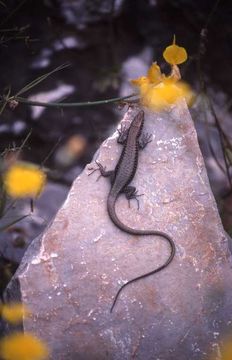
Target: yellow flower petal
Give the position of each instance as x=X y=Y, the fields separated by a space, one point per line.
x=165 y=94
x=24 y=180
x=175 y=54
x=19 y=346
x=140 y=81
x=136 y=82
x=14 y=313
x=158 y=91
x=154 y=74
x=226 y=353
x=143 y=84
x=225 y=350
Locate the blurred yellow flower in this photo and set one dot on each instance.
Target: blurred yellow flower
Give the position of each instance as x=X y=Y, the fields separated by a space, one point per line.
x=174 y=54
x=24 y=180
x=154 y=74
x=13 y=313
x=142 y=83
x=225 y=350
x=154 y=77
x=19 y=346
x=168 y=93
x=158 y=92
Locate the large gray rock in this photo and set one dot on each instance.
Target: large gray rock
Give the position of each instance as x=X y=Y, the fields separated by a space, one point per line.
x=71 y=279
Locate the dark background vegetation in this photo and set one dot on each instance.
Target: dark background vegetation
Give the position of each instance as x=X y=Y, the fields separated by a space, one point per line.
x=104 y=42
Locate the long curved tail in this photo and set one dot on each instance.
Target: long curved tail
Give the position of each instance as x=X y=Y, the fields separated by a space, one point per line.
x=112 y=213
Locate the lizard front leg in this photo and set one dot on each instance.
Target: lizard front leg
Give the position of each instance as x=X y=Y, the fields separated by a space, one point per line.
x=103 y=171
x=144 y=139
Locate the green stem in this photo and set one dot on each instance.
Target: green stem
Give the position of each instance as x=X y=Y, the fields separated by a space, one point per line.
x=71 y=104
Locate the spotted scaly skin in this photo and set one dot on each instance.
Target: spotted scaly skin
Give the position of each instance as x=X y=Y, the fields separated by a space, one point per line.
x=121 y=177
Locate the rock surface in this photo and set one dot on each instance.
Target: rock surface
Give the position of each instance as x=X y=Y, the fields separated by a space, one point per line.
x=69 y=277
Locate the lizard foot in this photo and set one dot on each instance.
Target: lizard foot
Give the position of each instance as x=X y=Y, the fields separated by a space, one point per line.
x=132 y=193
x=144 y=139
x=102 y=169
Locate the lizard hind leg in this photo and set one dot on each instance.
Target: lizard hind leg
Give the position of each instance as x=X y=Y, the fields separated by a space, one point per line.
x=132 y=193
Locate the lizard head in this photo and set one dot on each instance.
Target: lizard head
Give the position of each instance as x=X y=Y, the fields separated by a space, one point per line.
x=138 y=121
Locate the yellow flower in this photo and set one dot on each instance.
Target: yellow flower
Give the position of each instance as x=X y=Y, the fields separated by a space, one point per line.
x=175 y=54
x=225 y=350
x=154 y=74
x=159 y=92
x=24 y=180
x=154 y=77
x=171 y=91
x=19 y=346
x=14 y=312
x=142 y=83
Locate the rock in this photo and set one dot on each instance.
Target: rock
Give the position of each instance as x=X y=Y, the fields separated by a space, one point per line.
x=70 y=277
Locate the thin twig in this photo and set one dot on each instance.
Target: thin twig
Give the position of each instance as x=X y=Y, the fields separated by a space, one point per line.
x=50 y=153
x=13 y=12
x=39 y=79
x=71 y=104
x=4 y=227
x=223 y=141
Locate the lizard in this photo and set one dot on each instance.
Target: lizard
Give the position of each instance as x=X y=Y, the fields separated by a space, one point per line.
x=120 y=178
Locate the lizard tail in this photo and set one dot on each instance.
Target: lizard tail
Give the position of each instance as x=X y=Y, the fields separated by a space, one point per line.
x=112 y=213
